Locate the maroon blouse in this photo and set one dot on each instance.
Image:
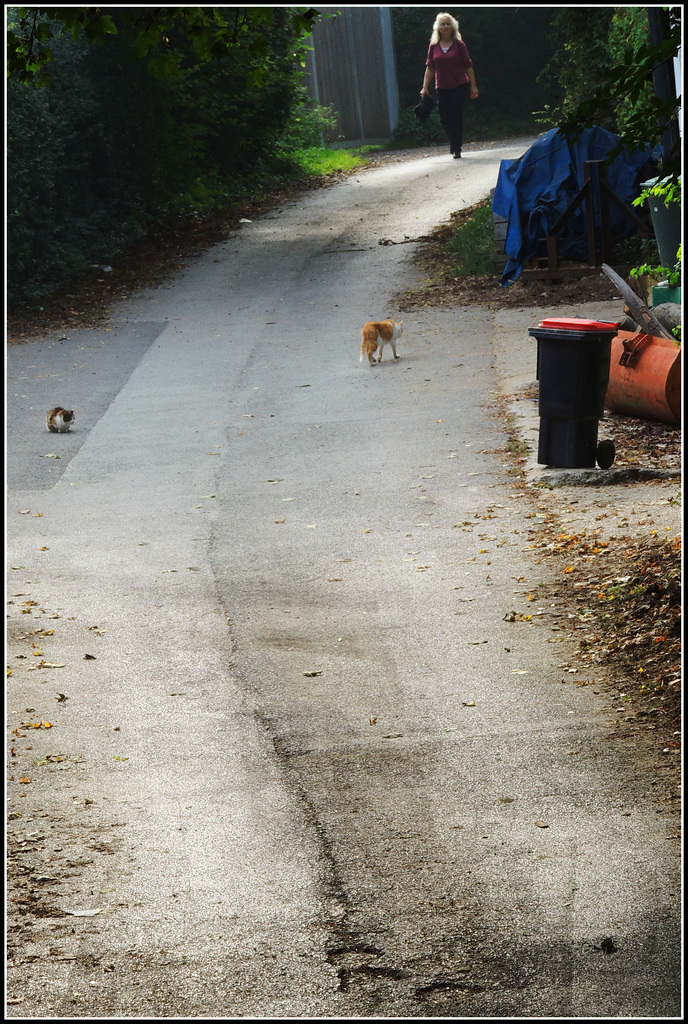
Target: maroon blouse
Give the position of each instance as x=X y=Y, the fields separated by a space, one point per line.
x=451 y=67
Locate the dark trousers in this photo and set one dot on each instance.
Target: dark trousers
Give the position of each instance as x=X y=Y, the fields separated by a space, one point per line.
x=450 y=107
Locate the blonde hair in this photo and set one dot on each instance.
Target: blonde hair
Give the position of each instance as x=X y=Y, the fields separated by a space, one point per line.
x=435 y=37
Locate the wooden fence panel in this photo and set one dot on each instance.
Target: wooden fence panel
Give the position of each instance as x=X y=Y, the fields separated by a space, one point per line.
x=370 y=72
x=351 y=68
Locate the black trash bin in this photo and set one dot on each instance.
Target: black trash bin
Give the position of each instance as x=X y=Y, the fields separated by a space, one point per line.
x=573 y=370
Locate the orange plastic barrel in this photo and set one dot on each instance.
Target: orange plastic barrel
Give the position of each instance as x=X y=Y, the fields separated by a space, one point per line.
x=644 y=377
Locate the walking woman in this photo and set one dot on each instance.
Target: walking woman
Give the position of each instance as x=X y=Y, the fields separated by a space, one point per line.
x=452 y=68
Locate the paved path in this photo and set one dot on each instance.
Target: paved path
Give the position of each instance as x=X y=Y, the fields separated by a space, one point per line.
x=309 y=763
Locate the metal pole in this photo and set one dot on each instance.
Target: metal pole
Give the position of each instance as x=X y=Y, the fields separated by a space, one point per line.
x=389 y=68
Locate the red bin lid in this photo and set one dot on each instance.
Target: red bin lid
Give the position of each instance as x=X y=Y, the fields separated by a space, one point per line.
x=566 y=323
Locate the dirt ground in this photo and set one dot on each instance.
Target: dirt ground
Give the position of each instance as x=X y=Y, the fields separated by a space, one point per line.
x=627 y=603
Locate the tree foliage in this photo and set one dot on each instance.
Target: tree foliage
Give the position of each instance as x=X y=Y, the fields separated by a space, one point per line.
x=163 y=35
x=109 y=153
x=605 y=62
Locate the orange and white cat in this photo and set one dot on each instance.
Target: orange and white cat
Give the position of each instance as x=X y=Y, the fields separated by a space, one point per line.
x=59 y=420
x=375 y=335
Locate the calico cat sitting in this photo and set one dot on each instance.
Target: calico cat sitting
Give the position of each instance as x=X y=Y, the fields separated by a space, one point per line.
x=59 y=420
x=375 y=335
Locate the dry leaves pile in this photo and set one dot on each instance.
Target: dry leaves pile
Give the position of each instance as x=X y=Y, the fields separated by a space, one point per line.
x=643 y=444
x=639 y=614
x=624 y=599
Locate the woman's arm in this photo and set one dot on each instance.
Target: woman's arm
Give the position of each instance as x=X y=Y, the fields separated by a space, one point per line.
x=474 y=88
x=427 y=81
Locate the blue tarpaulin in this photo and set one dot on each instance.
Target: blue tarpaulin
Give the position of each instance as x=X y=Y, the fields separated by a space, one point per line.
x=534 y=191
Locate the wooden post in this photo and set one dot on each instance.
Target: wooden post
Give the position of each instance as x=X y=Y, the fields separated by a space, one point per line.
x=588 y=175
x=605 y=222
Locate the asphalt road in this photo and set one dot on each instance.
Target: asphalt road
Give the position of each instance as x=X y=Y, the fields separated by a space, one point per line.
x=318 y=757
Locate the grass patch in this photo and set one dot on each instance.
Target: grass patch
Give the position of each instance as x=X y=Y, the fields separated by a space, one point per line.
x=472 y=246
x=318 y=160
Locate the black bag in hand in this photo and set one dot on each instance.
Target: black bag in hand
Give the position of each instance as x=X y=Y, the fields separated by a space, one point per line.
x=424 y=109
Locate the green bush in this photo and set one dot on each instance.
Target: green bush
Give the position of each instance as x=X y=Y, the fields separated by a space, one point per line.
x=109 y=154
x=307 y=125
